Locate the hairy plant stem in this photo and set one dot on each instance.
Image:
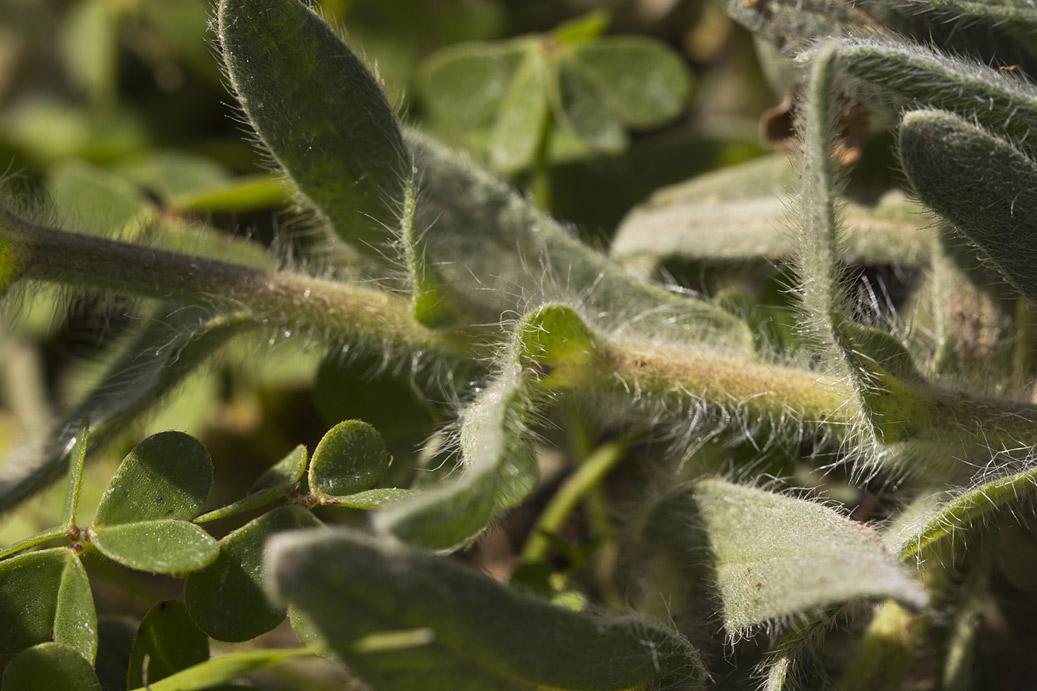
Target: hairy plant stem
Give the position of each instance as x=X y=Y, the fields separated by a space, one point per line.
x=277 y=299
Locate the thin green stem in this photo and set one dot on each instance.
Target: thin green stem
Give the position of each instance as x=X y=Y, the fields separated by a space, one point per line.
x=564 y=502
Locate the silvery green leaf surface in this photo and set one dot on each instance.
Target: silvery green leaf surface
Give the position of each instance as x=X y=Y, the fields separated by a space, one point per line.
x=320 y=112
x=166 y=545
x=983 y=184
x=775 y=556
x=441 y=625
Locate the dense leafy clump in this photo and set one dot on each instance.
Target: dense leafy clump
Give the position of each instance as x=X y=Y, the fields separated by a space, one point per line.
x=814 y=468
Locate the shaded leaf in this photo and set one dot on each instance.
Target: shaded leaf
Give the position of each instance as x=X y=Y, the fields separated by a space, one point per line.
x=320 y=113
x=239 y=195
x=96 y=202
x=457 y=629
x=227 y=597
x=463 y=85
x=643 y=81
x=981 y=183
x=1022 y=11
x=167 y=641
x=776 y=556
x=47 y=667
x=166 y=545
x=580 y=105
x=350 y=458
x=45 y=596
x=791 y=24
x=115 y=636
x=520 y=123
x=166 y=476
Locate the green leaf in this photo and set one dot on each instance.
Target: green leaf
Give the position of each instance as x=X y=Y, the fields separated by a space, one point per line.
x=499 y=465
x=775 y=556
x=981 y=183
x=791 y=24
x=248 y=193
x=995 y=11
x=281 y=480
x=47 y=667
x=519 y=126
x=45 y=596
x=170 y=174
x=584 y=28
x=115 y=636
x=530 y=259
x=937 y=515
x=350 y=458
x=579 y=104
x=643 y=81
x=167 y=641
x=152 y=364
x=321 y=114
x=96 y=202
x=76 y=458
x=224 y=668
x=457 y=629
x=463 y=84
x=227 y=597
x=166 y=476
x=372 y=499
x=922 y=77
x=169 y=546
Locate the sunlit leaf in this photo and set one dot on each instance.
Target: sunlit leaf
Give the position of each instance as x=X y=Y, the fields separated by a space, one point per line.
x=350 y=458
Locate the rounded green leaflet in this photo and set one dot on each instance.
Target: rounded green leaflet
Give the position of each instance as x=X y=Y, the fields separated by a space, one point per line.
x=167 y=641
x=49 y=667
x=227 y=598
x=580 y=105
x=644 y=82
x=351 y=458
x=463 y=85
x=167 y=546
x=321 y=114
x=166 y=476
x=45 y=596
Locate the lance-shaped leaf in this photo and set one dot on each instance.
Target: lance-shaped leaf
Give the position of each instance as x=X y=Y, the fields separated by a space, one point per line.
x=995 y=11
x=938 y=515
x=920 y=76
x=498 y=464
x=696 y=221
x=981 y=183
x=776 y=556
x=457 y=629
x=45 y=596
x=142 y=520
x=227 y=598
x=321 y=114
x=167 y=641
x=351 y=458
x=790 y=24
x=47 y=667
x=210 y=675
x=877 y=366
x=528 y=258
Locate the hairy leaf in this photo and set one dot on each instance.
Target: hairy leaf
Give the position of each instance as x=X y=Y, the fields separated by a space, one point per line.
x=321 y=114
x=458 y=629
x=167 y=641
x=774 y=556
x=791 y=24
x=981 y=183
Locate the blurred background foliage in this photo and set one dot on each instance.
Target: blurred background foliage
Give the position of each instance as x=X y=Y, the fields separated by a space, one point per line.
x=114 y=117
